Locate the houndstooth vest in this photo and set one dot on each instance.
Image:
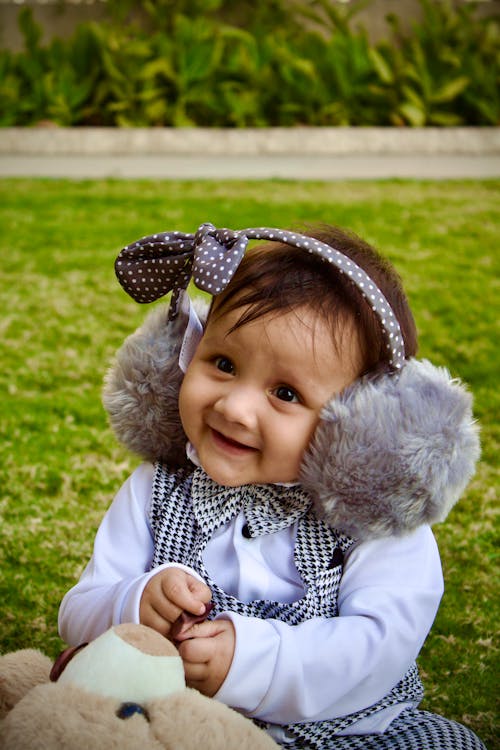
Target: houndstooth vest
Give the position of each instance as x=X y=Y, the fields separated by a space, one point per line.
x=187 y=507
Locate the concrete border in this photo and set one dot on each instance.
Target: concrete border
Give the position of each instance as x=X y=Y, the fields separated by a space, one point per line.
x=282 y=153
x=251 y=167
x=47 y=141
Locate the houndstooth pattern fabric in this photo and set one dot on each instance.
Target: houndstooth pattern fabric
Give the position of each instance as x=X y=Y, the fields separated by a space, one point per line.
x=411 y=730
x=187 y=507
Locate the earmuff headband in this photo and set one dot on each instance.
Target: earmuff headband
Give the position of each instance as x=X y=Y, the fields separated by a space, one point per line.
x=166 y=262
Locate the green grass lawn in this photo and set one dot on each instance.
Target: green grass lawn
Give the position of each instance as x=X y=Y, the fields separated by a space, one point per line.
x=64 y=315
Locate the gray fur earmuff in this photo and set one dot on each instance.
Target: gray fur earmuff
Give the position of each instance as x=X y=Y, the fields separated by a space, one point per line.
x=390 y=453
x=141 y=390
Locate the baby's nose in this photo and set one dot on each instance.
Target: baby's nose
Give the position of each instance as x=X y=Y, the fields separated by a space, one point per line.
x=239 y=404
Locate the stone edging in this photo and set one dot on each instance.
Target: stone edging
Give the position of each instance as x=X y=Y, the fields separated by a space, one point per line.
x=233 y=142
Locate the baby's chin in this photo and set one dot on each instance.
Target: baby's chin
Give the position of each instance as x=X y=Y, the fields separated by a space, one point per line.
x=224 y=480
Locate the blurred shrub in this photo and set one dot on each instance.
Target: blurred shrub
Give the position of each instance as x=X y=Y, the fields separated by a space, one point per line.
x=217 y=63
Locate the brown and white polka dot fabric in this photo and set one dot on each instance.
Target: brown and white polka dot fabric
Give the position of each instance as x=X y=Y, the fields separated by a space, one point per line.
x=166 y=262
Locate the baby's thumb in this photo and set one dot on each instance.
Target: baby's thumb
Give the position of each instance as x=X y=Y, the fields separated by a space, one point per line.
x=200 y=590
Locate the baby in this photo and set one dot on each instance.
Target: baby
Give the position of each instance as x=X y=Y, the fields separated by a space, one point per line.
x=318 y=451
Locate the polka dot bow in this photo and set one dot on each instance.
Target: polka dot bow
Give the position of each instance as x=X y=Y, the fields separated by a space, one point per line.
x=166 y=262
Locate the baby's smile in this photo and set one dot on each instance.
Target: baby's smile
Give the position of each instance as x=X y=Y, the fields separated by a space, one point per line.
x=227 y=443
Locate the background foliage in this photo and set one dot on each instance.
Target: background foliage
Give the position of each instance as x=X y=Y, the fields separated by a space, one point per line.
x=252 y=64
x=64 y=315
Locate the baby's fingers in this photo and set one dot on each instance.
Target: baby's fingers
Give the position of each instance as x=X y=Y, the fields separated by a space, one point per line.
x=188 y=626
x=207 y=657
x=150 y=617
x=199 y=589
x=185 y=591
x=183 y=626
x=196 y=651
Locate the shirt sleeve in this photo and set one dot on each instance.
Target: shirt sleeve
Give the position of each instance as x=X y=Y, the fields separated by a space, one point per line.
x=326 y=668
x=110 y=588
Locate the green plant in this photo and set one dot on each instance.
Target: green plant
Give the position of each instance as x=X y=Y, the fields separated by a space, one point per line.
x=221 y=64
x=55 y=82
x=9 y=91
x=446 y=69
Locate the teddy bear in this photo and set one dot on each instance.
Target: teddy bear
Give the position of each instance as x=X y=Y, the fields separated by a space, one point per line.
x=125 y=690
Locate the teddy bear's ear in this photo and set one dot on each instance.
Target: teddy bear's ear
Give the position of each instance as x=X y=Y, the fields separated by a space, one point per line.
x=141 y=388
x=20 y=671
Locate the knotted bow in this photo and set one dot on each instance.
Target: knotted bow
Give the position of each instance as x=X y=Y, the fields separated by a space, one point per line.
x=155 y=265
x=267 y=508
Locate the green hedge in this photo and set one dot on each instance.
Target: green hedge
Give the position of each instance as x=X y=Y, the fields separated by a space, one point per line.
x=277 y=63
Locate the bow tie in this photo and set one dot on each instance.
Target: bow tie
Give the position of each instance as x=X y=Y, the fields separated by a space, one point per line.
x=268 y=508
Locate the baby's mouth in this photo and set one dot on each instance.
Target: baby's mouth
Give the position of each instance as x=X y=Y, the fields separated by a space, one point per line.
x=228 y=443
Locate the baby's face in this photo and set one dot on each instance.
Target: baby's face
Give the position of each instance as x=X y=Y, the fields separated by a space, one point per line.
x=250 y=400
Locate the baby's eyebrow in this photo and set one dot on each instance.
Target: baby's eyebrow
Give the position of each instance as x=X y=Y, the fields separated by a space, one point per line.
x=213 y=341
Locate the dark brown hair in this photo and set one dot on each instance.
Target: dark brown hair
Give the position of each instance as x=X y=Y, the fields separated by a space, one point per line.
x=277 y=277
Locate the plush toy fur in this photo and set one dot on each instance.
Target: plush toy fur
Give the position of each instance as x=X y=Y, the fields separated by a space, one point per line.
x=42 y=715
x=19 y=672
x=390 y=453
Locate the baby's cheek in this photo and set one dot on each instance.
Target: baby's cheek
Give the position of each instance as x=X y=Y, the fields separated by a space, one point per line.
x=305 y=433
x=186 y=406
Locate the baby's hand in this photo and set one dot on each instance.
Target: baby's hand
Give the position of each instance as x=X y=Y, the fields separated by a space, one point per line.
x=169 y=593
x=185 y=622
x=207 y=650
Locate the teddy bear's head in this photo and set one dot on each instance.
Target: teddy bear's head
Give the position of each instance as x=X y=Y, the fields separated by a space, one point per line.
x=125 y=690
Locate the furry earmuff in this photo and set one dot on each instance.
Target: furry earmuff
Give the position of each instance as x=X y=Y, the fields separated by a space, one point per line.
x=141 y=390
x=390 y=453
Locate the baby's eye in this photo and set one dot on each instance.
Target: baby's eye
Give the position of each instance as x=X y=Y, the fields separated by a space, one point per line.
x=224 y=365
x=284 y=393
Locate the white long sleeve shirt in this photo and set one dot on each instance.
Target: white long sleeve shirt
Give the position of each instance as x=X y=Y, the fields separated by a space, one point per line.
x=320 y=669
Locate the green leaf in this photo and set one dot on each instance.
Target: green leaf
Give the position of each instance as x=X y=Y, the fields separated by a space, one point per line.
x=445 y=119
x=381 y=66
x=413 y=98
x=412 y=114
x=451 y=90
x=159 y=67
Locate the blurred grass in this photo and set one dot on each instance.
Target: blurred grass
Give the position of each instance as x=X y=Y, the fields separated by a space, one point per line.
x=63 y=316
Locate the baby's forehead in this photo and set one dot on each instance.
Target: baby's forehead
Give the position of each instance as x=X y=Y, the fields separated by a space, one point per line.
x=302 y=331
x=305 y=317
